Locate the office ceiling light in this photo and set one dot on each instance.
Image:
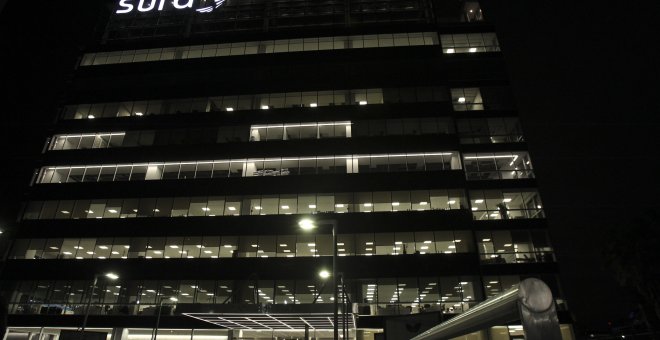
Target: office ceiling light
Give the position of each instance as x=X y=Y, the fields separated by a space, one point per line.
x=90 y=117
x=103 y=247
x=363 y=102
x=228 y=246
x=451 y=202
x=368 y=205
x=461 y=100
x=313 y=105
x=395 y=204
x=450 y=50
x=506 y=200
x=138 y=113
x=264 y=107
x=312 y=206
x=206 y=209
x=285 y=207
x=230 y=109
x=423 y=203
x=486 y=240
x=283 y=245
x=339 y=205
x=174 y=246
x=475 y=208
x=231 y=208
x=472 y=49
x=257 y=208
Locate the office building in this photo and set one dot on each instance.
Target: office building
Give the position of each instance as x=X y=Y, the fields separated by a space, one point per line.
x=195 y=136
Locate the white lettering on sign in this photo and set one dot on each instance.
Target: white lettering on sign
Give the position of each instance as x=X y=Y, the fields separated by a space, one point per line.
x=179 y=6
x=141 y=7
x=144 y=6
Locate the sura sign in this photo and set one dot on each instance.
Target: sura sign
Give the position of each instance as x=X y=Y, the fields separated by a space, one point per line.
x=145 y=6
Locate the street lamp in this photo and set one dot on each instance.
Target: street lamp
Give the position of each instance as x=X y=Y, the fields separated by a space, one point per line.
x=160 y=307
x=111 y=276
x=307 y=225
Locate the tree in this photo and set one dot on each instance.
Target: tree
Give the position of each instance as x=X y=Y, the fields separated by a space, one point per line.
x=632 y=253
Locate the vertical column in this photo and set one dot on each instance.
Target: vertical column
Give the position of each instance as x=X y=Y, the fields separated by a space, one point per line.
x=119 y=334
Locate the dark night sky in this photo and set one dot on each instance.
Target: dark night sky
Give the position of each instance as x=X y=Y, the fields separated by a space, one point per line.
x=585 y=76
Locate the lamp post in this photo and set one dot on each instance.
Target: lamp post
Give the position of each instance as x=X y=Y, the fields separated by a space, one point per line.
x=307 y=225
x=160 y=307
x=110 y=276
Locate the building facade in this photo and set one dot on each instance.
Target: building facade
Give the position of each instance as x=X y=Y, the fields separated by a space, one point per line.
x=196 y=135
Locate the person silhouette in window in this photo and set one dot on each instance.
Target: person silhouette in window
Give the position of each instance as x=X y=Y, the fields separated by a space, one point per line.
x=504 y=210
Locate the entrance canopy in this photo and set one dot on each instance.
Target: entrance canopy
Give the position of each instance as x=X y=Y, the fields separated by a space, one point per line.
x=272 y=321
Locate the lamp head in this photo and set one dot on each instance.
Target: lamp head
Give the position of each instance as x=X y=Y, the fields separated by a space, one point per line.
x=306 y=224
x=112 y=276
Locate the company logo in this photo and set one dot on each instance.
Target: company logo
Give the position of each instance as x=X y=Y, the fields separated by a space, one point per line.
x=144 y=6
